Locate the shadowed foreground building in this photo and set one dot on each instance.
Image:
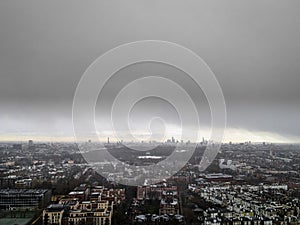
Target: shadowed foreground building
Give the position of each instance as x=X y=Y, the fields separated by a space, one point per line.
x=53 y=214
x=24 y=199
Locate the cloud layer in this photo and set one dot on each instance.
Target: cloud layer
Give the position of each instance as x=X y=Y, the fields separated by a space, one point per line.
x=252 y=46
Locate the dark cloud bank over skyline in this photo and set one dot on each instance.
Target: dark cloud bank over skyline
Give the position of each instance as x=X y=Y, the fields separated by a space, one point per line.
x=252 y=47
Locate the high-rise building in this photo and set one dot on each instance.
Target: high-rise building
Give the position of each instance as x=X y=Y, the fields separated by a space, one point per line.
x=30 y=142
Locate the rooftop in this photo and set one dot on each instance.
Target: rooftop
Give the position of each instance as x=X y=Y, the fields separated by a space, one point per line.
x=23 y=191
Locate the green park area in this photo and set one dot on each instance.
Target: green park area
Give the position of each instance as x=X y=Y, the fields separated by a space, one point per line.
x=14 y=221
x=16 y=218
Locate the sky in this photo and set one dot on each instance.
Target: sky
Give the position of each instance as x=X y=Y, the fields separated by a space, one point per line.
x=252 y=47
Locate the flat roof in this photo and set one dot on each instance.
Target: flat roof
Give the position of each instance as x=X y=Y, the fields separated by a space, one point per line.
x=23 y=191
x=55 y=207
x=76 y=193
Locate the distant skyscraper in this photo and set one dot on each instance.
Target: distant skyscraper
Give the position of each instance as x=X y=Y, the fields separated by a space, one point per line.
x=30 y=142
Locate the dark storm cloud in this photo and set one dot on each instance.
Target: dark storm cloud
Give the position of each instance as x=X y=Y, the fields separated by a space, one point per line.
x=252 y=47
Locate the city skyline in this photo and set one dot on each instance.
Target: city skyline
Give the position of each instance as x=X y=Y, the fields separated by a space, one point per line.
x=231 y=135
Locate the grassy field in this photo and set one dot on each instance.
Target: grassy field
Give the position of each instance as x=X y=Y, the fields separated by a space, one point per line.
x=16 y=218
x=14 y=221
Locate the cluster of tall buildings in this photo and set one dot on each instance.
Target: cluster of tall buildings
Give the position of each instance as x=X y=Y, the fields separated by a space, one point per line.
x=84 y=206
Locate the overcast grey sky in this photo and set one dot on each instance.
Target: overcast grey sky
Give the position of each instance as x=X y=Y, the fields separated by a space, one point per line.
x=252 y=47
